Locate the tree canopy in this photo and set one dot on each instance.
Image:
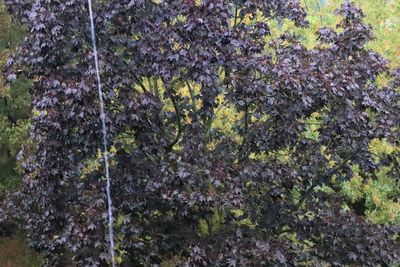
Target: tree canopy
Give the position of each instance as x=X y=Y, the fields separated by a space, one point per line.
x=261 y=190
x=14 y=106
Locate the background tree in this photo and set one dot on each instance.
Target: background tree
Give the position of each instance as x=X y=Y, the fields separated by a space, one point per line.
x=14 y=106
x=14 y=114
x=263 y=193
x=379 y=197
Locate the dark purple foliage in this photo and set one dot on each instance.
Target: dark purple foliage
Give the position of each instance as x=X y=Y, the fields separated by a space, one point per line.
x=179 y=169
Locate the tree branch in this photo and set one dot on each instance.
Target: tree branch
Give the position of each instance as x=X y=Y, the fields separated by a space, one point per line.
x=168 y=90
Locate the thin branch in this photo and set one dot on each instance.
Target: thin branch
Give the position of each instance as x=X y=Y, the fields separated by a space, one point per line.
x=178 y=116
x=150 y=84
x=326 y=175
x=192 y=96
x=236 y=16
x=155 y=87
x=246 y=128
x=138 y=80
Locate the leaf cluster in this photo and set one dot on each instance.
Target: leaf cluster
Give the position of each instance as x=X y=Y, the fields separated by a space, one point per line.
x=184 y=190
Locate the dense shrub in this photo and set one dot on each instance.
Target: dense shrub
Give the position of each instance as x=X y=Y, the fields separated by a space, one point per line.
x=186 y=191
x=14 y=106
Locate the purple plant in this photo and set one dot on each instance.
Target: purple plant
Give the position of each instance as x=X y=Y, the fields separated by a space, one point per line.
x=178 y=169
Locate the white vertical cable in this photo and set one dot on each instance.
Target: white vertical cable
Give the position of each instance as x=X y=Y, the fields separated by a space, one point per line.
x=105 y=143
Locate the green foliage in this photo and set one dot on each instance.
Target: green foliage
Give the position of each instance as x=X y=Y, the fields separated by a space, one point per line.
x=10 y=34
x=14 y=107
x=213 y=224
x=382 y=15
x=381 y=195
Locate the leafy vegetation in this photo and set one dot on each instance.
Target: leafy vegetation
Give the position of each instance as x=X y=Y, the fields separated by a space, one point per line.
x=14 y=123
x=382 y=15
x=239 y=137
x=14 y=107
